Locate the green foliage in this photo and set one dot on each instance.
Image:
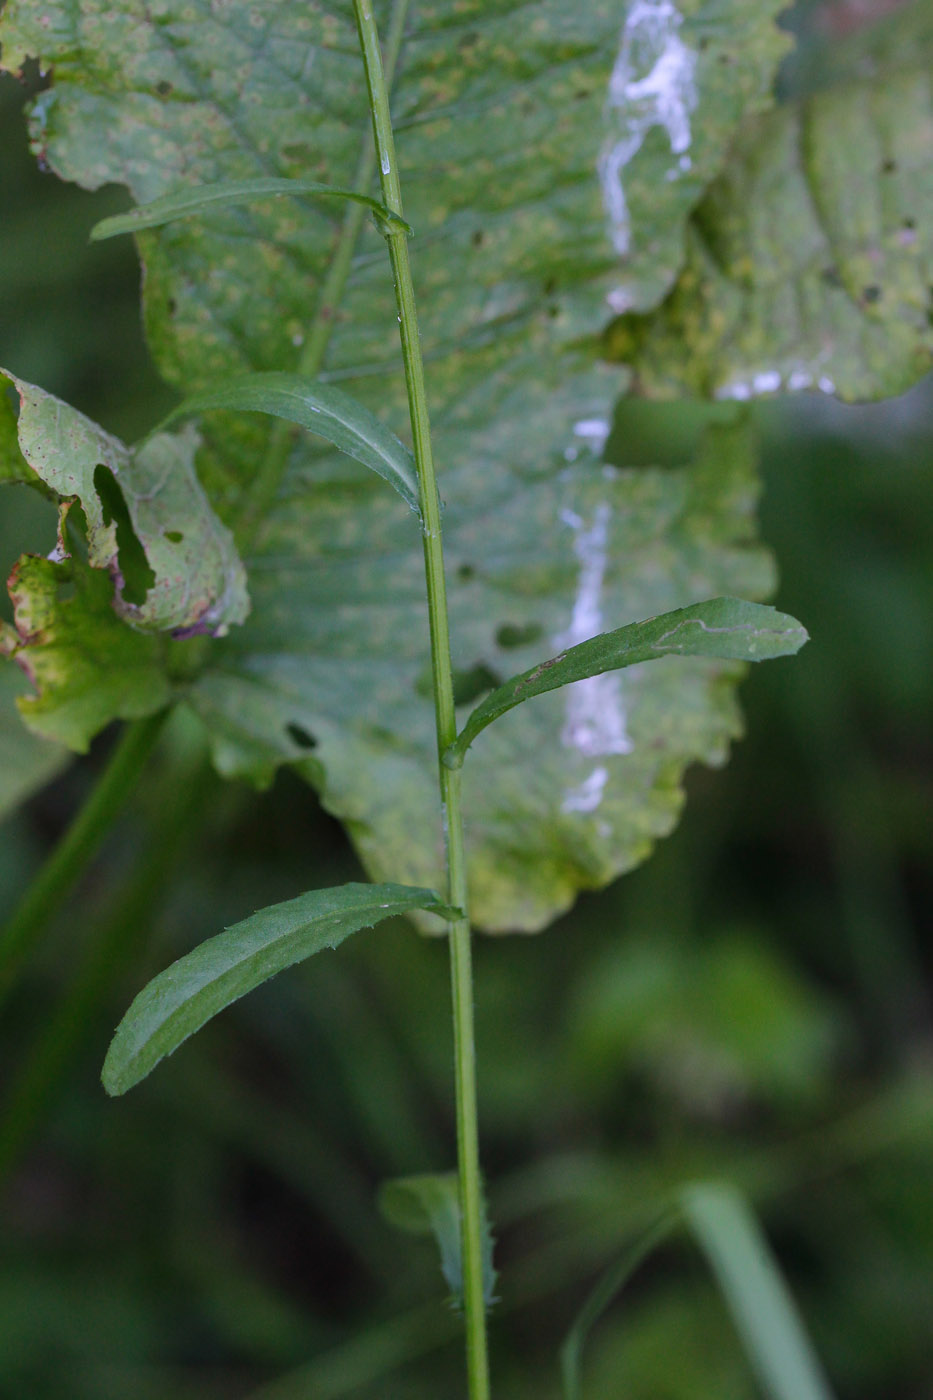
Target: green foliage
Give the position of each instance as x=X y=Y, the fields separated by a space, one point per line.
x=228 y=193
x=430 y=1204
x=515 y=268
x=87 y=668
x=726 y=1230
x=728 y=1024
x=197 y=581
x=685 y=80
x=726 y=628
x=761 y=1307
x=514 y=385
x=810 y=259
x=324 y=410
x=26 y=762
x=180 y=1000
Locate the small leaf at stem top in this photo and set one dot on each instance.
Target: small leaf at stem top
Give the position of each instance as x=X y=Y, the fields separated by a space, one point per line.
x=182 y=998
x=727 y=628
x=324 y=410
x=185 y=203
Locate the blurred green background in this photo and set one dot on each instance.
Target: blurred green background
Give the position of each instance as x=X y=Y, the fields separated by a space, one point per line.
x=754 y=1003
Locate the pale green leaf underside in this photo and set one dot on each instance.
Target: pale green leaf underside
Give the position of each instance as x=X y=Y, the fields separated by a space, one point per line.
x=514 y=266
x=726 y=628
x=762 y=1309
x=186 y=203
x=430 y=1204
x=26 y=762
x=810 y=260
x=198 y=582
x=324 y=410
x=218 y=972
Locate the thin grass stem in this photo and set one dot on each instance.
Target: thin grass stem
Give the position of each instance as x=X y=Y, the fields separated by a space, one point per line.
x=80 y=843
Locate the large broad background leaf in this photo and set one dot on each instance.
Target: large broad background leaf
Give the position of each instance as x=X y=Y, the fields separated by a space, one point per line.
x=810 y=260
x=505 y=117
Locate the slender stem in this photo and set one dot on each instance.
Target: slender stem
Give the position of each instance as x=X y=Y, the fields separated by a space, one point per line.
x=79 y=844
x=471 y=1204
x=182 y=796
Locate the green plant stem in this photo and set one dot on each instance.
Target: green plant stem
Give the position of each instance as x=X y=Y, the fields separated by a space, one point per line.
x=471 y=1203
x=79 y=844
x=185 y=789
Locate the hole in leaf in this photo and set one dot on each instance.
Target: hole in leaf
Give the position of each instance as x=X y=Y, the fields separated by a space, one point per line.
x=513 y=634
x=175 y=536
x=138 y=577
x=300 y=736
x=872 y=294
x=163 y=88
x=470 y=685
x=466 y=572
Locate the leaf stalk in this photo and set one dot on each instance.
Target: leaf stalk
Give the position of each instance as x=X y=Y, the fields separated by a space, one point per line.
x=78 y=846
x=470 y=1186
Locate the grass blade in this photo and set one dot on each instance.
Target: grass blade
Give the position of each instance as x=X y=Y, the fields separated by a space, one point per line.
x=182 y=998
x=324 y=410
x=757 y=1297
x=609 y=1286
x=727 y=628
x=430 y=1204
x=195 y=199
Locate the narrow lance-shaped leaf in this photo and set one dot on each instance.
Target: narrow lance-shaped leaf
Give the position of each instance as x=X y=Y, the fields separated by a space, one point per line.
x=726 y=628
x=186 y=203
x=322 y=409
x=430 y=1204
x=182 y=998
x=761 y=1306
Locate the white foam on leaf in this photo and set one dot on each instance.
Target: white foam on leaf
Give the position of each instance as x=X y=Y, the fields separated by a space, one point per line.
x=594 y=432
x=595 y=720
x=653 y=83
x=587 y=797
